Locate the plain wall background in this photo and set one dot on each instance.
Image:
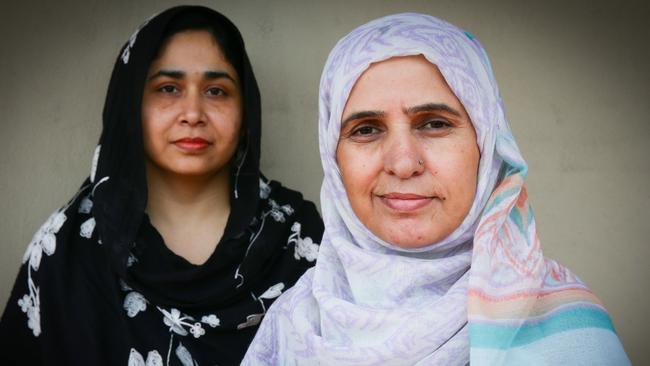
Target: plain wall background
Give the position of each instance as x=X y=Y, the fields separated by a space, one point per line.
x=573 y=74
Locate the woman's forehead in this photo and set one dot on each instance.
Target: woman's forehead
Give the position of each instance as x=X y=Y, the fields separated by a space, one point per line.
x=401 y=82
x=408 y=81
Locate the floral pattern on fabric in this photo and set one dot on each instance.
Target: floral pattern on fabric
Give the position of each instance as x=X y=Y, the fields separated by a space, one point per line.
x=134 y=303
x=136 y=359
x=271 y=293
x=69 y=277
x=177 y=322
x=303 y=247
x=44 y=241
x=126 y=53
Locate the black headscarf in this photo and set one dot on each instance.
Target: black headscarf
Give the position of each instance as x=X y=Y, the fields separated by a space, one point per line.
x=98 y=284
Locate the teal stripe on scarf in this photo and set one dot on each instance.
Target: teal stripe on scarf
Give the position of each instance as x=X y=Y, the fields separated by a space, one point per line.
x=507 y=193
x=504 y=337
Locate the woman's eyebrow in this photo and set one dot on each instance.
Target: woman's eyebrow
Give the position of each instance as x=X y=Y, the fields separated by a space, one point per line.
x=432 y=107
x=174 y=74
x=362 y=114
x=178 y=74
x=213 y=74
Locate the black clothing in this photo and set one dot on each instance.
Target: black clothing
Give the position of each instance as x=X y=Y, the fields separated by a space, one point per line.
x=99 y=286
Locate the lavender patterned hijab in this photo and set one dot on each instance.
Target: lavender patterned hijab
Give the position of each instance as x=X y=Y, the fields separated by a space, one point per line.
x=368 y=302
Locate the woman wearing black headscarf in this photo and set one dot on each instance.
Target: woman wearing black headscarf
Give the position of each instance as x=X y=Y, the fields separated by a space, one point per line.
x=175 y=246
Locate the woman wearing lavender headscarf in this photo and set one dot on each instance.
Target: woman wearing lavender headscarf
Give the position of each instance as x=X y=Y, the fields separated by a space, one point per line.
x=430 y=254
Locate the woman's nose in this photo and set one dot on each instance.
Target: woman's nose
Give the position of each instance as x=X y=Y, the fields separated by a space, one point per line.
x=192 y=109
x=402 y=156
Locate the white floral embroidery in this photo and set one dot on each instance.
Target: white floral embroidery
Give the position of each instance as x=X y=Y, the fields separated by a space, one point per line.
x=154 y=359
x=277 y=216
x=296 y=227
x=273 y=291
x=287 y=209
x=265 y=189
x=86 y=205
x=134 y=303
x=44 y=240
x=251 y=320
x=278 y=212
x=127 y=50
x=184 y=356
x=87 y=228
x=177 y=321
x=131 y=260
x=303 y=247
x=211 y=320
x=93 y=167
x=307 y=249
x=197 y=330
x=135 y=358
x=30 y=305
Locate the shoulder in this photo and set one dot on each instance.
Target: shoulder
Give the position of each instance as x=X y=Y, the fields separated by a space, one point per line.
x=66 y=244
x=56 y=254
x=274 y=190
x=290 y=317
x=292 y=203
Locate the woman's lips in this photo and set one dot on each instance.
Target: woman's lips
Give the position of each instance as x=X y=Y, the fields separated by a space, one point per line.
x=405 y=202
x=191 y=143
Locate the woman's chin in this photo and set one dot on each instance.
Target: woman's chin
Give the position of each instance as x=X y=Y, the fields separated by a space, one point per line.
x=415 y=244
x=404 y=236
x=187 y=169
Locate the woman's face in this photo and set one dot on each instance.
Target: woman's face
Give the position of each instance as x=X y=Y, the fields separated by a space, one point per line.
x=407 y=153
x=191 y=107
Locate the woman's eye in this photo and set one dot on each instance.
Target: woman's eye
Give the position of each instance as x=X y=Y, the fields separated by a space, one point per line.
x=215 y=91
x=168 y=89
x=436 y=124
x=364 y=131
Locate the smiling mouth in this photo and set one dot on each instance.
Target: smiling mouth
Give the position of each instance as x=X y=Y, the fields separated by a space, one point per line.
x=192 y=144
x=405 y=202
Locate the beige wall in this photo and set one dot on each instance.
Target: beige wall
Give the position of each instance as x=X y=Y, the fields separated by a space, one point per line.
x=573 y=75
